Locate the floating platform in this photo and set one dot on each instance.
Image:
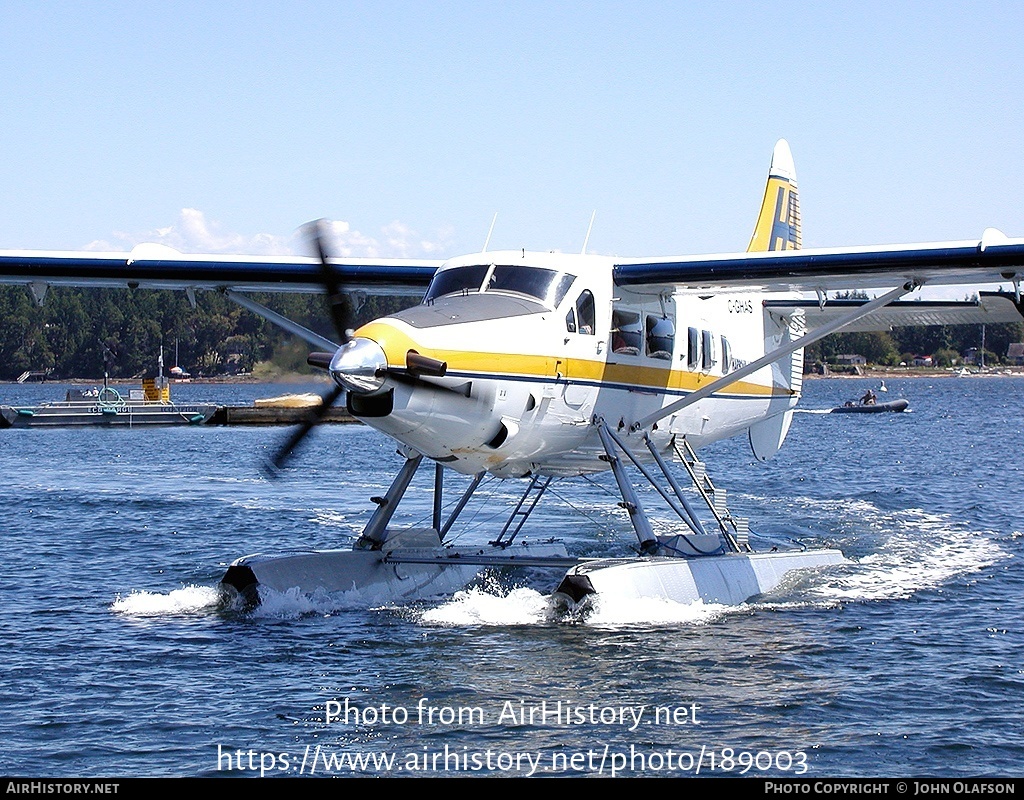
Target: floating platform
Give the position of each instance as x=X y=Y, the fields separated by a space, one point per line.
x=131 y=408
x=109 y=408
x=128 y=414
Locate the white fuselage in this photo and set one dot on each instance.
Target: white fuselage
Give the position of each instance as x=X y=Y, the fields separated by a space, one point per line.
x=539 y=346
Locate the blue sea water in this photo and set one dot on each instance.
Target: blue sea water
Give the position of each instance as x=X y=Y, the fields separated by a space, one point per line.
x=906 y=662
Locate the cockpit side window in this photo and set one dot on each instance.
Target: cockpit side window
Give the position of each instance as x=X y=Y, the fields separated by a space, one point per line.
x=459 y=280
x=586 y=312
x=570 y=321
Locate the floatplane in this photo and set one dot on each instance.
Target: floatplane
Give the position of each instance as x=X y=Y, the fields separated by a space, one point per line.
x=542 y=366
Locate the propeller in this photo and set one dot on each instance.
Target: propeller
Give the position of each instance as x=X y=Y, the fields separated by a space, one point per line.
x=341 y=315
x=359 y=364
x=313 y=418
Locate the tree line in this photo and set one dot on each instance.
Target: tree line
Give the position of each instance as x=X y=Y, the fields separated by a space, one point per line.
x=946 y=344
x=80 y=333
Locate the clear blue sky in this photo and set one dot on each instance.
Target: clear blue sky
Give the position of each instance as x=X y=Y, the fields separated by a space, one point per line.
x=223 y=126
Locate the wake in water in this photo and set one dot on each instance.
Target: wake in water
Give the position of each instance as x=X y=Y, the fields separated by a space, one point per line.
x=911 y=551
x=922 y=551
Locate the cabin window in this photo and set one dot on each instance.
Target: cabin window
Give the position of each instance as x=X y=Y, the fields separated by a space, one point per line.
x=726 y=356
x=586 y=312
x=708 y=346
x=459 y=280
x=627 y=333
x=570 y=321
x=693 y=347
x=546 y=285
x=661 y=334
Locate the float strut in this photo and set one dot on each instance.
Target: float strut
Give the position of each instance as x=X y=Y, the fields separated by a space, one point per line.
x=630 y=499
x=438 y=491
x=372 y=536
x=461 y=504
x=691 y=516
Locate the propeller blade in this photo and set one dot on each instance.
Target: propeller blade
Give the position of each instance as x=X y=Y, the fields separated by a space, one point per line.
x=340 y=305
x=341 y=313
x=274 y=466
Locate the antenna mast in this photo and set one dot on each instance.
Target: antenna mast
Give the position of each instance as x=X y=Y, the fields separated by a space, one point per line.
x=489 y=232
x=586 y=239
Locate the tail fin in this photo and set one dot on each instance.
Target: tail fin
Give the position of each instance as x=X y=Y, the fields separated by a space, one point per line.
x=778 y=228
x=778 y=224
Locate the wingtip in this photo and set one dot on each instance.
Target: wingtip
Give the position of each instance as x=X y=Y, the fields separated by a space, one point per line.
x=782 y=161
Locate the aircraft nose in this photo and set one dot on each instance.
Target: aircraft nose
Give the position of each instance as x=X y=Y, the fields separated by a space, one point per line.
x=359 y=366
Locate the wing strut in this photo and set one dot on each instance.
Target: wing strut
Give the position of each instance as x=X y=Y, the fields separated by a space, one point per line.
x=775 y=355
x=274 y=318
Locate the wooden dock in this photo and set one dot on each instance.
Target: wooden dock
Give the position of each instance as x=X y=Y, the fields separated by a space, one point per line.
x=251 y=415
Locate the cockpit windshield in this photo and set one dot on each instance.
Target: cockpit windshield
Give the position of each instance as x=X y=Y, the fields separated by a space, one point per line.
x=460 y=280
x=545 y=285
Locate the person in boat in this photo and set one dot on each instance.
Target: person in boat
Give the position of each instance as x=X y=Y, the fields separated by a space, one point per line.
x=868 y=399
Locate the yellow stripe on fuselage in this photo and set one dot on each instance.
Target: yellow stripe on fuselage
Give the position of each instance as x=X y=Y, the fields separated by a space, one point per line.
x=497 y=365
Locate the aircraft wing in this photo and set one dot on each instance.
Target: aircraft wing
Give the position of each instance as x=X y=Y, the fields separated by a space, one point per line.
x=159 y=267
x=992 y=259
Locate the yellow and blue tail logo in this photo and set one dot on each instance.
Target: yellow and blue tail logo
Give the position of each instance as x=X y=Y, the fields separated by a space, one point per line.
x=778 y=224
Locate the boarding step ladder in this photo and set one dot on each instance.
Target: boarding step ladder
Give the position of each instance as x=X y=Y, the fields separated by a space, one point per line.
x=735 y=529
x=532 y=495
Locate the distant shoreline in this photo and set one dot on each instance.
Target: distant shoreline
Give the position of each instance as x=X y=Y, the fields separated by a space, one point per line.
x=220 y=380
x=871 y=374
x=921 y=372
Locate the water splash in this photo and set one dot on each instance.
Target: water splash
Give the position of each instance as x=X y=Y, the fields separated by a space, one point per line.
x=185 y=601
x=524 y=606
x=479 y=606
x=655 y=612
